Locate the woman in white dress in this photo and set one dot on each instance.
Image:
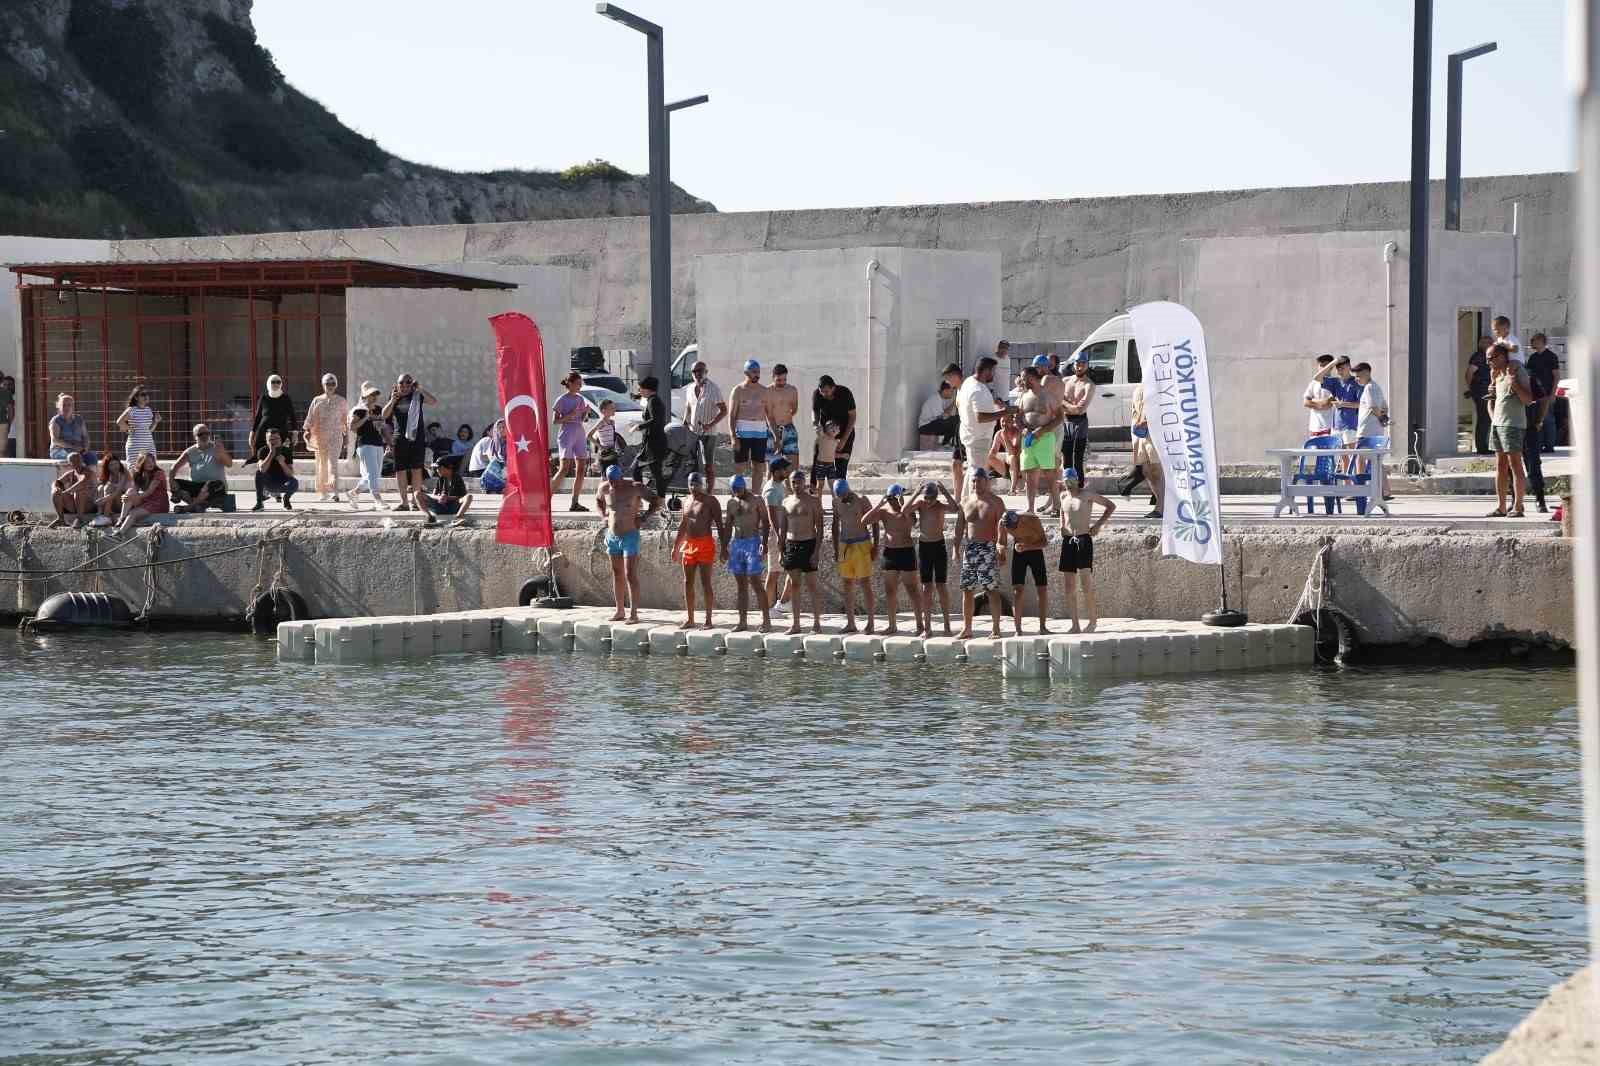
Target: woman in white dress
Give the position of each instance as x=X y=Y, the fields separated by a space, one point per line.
x=139 y=422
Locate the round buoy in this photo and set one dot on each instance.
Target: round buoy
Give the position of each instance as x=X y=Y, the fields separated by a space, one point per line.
x=279 y=605
x=1336 y=640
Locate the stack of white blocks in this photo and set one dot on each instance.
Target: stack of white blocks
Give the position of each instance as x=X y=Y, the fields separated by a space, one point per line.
x=1142 y=649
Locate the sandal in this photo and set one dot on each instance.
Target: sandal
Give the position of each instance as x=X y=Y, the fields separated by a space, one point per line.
x=1516 y=514
x=1496 y=513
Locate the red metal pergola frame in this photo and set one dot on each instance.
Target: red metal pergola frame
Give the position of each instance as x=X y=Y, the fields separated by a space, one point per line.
x=194 y=279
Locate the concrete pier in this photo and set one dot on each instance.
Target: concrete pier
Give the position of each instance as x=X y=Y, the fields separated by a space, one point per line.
x=1398 y=582
x=1121 y=647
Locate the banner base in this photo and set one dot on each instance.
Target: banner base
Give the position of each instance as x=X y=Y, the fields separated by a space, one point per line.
x=1225 y=617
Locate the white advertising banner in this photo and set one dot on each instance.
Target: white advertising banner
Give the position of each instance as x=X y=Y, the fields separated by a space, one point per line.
x=1177 y=404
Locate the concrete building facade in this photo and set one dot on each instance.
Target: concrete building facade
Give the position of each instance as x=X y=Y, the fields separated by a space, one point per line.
x=871 y=318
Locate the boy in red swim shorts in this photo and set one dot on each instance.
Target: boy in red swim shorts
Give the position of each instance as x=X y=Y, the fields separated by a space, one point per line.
x=702 y=515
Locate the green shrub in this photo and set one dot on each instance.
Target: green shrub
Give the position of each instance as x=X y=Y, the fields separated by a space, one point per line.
x=114 y=161
x=122 y=52
x=594 y=170
x=238 y=45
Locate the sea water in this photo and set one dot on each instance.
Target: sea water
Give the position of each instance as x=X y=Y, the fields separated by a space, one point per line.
x=208 y=857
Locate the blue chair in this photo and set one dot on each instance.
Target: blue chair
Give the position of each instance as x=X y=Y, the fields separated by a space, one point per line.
x=1318 y=470
x=1362 y=476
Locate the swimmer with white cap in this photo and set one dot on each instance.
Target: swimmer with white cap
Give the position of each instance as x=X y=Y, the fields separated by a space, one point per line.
x=899 y=556
x=618 y=503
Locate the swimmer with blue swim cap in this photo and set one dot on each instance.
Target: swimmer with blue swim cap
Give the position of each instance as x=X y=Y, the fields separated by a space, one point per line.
x=618 y=503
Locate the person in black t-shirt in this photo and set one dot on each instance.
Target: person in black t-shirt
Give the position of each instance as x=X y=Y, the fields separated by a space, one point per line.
x=1544 y=368
x=452 y=496
x=832 y=402
x=654 y=426
x=275 y=472
x=1478 y=391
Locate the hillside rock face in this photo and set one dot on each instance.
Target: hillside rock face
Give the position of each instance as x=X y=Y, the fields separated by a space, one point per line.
x=130 y=118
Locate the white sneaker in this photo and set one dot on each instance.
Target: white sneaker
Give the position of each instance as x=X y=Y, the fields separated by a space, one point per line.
x=780 y=608
x=101 y=520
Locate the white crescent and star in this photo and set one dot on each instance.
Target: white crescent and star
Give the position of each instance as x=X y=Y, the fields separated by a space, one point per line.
x=522 y=401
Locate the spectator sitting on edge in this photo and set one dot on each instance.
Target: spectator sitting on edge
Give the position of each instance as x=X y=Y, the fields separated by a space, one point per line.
x=73 y=492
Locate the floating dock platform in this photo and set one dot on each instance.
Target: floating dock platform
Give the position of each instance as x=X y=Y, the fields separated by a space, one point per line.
x=1121 y=647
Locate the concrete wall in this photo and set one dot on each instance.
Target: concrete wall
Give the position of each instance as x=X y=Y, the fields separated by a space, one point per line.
x=1068 y=264
x=443 y=336
x=1388 y=581
x=1271 y=304
x=808 y=310
x=31 y=250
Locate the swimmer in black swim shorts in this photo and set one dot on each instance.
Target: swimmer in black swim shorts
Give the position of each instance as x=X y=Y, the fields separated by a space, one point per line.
x=797 y=551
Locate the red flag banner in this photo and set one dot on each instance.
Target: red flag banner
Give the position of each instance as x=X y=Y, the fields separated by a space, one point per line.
x=519 y=353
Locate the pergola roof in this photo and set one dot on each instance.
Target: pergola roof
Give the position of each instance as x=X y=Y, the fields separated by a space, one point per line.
x=280 y=275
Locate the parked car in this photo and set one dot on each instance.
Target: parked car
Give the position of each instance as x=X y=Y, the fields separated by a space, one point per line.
x=605 y=381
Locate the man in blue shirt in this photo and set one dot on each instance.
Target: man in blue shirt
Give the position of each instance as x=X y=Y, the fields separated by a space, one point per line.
x=1346 y=392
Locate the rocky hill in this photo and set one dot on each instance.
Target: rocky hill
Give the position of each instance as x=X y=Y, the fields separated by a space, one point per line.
x=127 y=118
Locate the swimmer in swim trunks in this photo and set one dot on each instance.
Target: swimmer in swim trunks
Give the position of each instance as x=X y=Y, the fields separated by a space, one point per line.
x=1040 y=444
x=783 y=400
x=752 y=424
x=798 y=540
x=899 y=556
x=1078 y=529
x=933 y=555
x=747 y=549
x=1027 y=558
x=772 y=496
x=855 y=546
x=618 y=503
x=702 y=516
x=978 y=523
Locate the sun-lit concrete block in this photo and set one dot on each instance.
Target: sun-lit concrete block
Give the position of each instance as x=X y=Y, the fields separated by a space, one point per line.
x=1154 y=651
x=1060 y=652
x=344 y=640
x=630 y=638
x=666 y=640
x=593 y=638
x=297 y=641
x=1207 y=657
x=1235 y=645
x=704 y=643
x=1257 y=648
x=449 y=636
x=555 y=631
x=822 y=647
x=944 y=649
x=745 y=645
x=1092 y=655
x=784 y=646
x=1296 y=646
x=519 y=632
x=902 y=649
x=388 y=639
x=477 y=632
x=984 y=650
x=859 y=648
x=1025 y=656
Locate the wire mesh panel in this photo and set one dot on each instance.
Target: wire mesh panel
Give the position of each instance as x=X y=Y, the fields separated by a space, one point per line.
x=201 y=356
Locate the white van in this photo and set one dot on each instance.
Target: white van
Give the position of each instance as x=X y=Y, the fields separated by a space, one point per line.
x=1114 y=368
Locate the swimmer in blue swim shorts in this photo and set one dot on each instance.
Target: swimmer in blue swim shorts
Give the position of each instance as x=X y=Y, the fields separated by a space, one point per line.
x=747 y=550
x=618 y=503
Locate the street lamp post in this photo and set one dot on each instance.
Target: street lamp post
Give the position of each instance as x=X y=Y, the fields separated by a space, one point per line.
x=1452 y=134
x=1417 y=333
x=660 y=203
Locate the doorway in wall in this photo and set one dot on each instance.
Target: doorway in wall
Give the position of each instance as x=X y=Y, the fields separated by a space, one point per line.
x=950 y=345
x=1471 y=323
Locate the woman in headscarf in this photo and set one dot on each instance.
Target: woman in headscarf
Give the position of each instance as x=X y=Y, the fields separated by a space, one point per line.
x=274 y=410
x=327 y=424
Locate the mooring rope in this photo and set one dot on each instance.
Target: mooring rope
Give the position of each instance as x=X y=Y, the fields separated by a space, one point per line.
x=152 y=550
x=1318 y=591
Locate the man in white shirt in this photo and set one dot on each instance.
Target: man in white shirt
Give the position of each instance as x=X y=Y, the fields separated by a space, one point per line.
x=1373 y=415
x=978 y=411
x=704 y=408
x=1318 y=400
x=937 y=419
